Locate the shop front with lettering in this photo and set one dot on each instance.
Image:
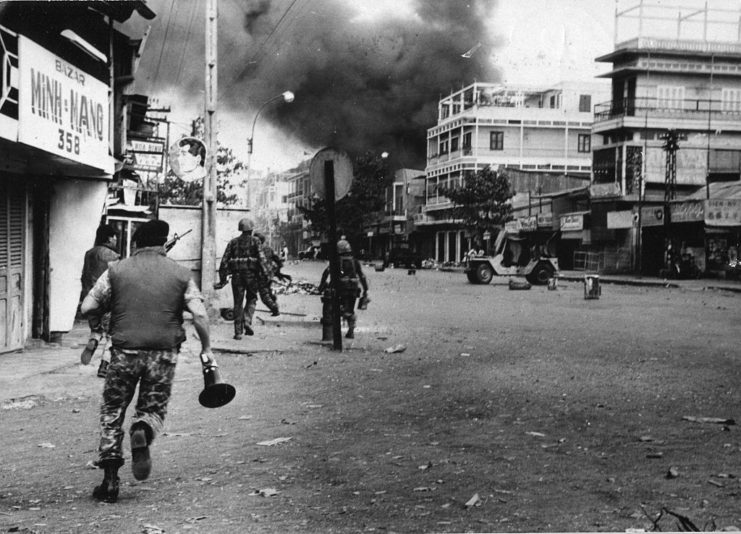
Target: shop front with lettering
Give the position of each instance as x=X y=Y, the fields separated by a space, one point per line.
x=55 y=139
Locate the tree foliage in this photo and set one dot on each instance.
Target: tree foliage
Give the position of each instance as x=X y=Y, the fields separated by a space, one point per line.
x=371 y=177
x=230 y=181
x=482 y=201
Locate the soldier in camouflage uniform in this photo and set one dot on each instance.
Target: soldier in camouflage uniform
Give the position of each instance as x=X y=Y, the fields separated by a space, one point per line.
x=274 y=264
x=244 y=259
x=146 y=295
x=349 y=286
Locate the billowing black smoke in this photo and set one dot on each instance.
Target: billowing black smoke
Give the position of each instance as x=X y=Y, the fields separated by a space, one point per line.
x=361 y=85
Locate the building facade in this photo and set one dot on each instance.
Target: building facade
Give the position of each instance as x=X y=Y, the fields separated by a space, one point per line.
x=64 y=69
x=543 y=130
x=671 y=130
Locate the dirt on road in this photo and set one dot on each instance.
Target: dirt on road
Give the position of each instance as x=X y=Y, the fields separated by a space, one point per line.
x=499 y=411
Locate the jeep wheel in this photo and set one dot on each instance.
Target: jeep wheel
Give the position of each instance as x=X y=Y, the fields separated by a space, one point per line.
x=540 y=274
x=484 y=273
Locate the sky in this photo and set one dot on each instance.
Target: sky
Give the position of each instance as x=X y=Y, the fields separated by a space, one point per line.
x=366 y=75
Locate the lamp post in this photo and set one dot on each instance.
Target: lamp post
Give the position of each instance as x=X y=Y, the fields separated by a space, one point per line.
x=287 y=97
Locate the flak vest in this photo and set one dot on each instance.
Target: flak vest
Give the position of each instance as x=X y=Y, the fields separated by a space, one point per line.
x=246 y=254
x=147 y=302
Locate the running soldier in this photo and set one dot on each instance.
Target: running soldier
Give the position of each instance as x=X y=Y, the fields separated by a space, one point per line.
x=245 y=261
x=274 y=265
x=146 y=294
x=350 y=282
x=97 y=260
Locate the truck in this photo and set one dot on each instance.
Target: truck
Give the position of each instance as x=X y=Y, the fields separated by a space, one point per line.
x=515 y=255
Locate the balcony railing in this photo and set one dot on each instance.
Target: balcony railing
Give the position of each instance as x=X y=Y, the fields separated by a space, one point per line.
x=667 y=108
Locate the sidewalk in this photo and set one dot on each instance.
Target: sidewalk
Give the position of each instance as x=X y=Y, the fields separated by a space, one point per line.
x=647 y=281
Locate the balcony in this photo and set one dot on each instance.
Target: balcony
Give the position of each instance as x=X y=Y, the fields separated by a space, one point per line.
x=694 y=113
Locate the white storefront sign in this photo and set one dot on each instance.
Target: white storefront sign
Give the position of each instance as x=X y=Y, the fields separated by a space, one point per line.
x=574 y=221
x=723 y=212
x=62 y=109
x=619 y=219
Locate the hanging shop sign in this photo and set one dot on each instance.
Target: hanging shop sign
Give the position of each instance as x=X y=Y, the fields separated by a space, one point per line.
x=529 y=224
x=62 y=109
x=723 y=212
x=545 y=220
x=146 y=155
x=572 y=221
x=605 y=190
x=652 y=216
x=513 y=227
x=620 y=220
x=688 y=211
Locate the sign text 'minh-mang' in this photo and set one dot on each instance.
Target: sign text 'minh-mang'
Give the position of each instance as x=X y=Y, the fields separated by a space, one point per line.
x=84 y=115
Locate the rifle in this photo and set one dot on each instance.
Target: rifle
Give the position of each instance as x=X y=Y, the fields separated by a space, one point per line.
x=174 y=239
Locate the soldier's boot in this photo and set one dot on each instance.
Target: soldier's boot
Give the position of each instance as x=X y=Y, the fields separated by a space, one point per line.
x=350 y=329
x=141 y=462
x=108 y=489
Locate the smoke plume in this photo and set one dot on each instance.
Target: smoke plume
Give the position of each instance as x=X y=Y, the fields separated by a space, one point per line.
x=361 y=83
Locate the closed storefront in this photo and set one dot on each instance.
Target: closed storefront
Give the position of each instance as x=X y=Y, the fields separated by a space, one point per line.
x=12 y=254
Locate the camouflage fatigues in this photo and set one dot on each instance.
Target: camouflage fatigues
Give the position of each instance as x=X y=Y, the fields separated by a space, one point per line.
x=155 y=368
x=351 y=280
x=273 y=264
x=152 y=370
x=245 y=260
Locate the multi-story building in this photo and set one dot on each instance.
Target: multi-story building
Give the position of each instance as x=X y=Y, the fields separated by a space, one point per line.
x=683 y=83
x=64 y=70
x=394 y=227
x=546 y=130
x=298 y=193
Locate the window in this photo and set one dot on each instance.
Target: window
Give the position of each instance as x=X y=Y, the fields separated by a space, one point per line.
x=496 y=141
x=731 y=100
x=585 y=103
x=454 y=144
x=585 y=143
x=670 y=96
x=467 y=142
x=444 y=147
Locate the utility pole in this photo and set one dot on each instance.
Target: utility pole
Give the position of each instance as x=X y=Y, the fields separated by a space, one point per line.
x=208 y=228
x=670 y=189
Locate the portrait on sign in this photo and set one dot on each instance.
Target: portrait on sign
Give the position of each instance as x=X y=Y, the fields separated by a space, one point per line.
x=188 y=159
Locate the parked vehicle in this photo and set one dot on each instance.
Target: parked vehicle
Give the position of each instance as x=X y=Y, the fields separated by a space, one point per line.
x=309 y=254
x=404 y=257
x=514 y=255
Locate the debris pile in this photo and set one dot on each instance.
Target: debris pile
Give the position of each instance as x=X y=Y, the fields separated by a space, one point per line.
x=297 y=287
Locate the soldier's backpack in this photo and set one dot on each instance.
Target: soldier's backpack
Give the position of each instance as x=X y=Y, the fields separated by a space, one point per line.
x=348 y=276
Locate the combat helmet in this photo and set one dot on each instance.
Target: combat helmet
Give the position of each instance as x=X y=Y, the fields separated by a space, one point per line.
x=245 y=225
x=343 y=247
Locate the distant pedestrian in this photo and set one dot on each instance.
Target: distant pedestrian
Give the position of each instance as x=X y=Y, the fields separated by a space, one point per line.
x=146 y=295
x=97 y=260
x=349 y=286
x=245 y=261
x=265 y=287
x=284 y=253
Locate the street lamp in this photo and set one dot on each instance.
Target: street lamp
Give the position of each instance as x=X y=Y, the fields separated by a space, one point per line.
x=287 y=97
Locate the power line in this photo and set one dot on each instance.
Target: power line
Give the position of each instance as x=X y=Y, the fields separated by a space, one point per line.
x=187 y=41
x=164 y=41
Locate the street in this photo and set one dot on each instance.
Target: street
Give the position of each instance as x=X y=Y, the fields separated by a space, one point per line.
x=458 y=407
